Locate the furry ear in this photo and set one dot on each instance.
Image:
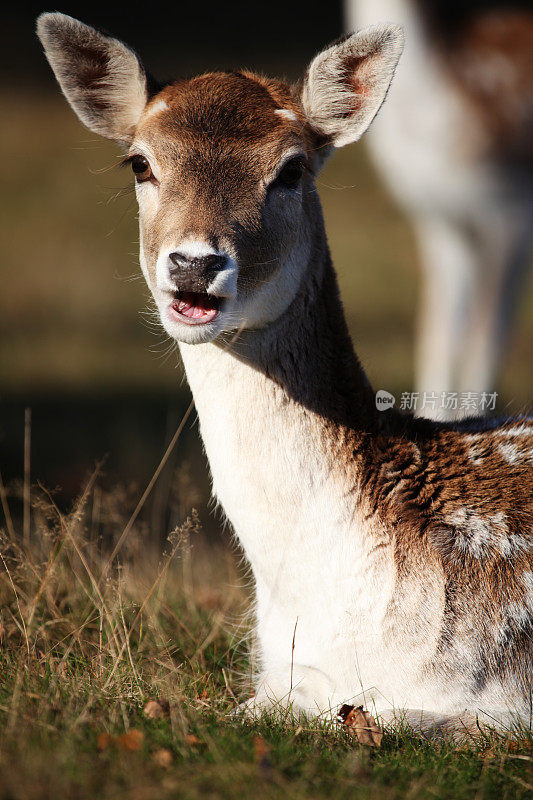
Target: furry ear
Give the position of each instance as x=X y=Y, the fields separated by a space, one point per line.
x=102 y=79
x=346 y=84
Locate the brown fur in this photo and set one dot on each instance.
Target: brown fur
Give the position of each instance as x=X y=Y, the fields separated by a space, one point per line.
x=218 y=141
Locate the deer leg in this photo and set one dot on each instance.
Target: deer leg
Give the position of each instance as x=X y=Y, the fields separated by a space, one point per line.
x=505 y=267
x=449 y=272
x=471 y=283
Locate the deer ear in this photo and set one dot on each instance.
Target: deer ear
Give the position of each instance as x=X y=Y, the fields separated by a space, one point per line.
x=346 y=84
x=102 y=79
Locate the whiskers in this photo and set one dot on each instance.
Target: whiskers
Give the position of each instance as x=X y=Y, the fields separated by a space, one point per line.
x=167 y=346
x=119 y=194
x=234 y=319
x=116 y=194
x=248 y=281
x=339 y=187
x=150 y=316
x=165 y=349
x=135 y=276
x=113 y=167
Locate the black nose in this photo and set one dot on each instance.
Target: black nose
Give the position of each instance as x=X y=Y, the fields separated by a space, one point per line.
x=195 y=274
x=210 y=264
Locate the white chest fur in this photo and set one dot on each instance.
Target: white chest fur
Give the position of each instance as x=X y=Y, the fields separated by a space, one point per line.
x=319 y=578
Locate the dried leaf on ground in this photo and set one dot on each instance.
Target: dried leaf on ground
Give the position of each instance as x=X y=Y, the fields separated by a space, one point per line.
x=157 y=709
x=192 y=740
x=162 y=757
x=210 y=599
x=131 y=741
x=104 y=741
x=361 y=725
x=262 y=753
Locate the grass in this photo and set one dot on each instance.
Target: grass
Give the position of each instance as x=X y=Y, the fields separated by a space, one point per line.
x=87 y=641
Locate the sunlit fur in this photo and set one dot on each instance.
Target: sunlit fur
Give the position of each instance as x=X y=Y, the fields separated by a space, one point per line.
x=391 y=556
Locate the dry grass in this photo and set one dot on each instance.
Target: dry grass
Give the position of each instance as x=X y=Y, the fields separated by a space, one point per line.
x=87 y=639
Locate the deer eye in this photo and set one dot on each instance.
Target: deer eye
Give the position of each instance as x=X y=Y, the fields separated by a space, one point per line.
x=291 y=173
x=141 y=168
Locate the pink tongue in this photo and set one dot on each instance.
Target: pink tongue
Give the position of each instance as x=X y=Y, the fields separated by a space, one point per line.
x=194 y=305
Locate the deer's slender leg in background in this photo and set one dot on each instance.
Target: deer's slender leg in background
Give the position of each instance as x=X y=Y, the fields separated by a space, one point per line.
x=471 y=279
x=503 y=268
x=450 y=277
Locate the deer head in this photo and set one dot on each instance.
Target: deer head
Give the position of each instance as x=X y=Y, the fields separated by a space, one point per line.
x=224 y=165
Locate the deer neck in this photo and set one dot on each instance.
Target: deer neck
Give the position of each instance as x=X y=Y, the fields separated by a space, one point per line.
x=283 y=413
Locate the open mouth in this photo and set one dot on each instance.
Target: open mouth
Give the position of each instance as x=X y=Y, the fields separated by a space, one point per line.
x=195 y=308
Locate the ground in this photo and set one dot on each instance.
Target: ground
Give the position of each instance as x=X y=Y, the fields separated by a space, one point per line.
x=88 y=642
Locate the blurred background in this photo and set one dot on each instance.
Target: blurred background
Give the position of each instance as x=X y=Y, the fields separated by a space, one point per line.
x=101 y=380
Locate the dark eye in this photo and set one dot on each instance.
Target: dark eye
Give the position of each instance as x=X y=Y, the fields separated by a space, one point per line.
x=141 y=168
x=291 y=173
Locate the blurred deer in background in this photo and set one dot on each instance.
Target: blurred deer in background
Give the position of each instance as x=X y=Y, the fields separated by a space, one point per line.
x=455 y=146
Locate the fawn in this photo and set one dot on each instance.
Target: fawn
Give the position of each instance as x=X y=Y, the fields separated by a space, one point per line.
x=455 y=146
x=391 y=555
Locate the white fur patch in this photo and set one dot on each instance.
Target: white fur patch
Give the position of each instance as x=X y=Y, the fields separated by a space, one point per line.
x=224 y=284
x=158 y=106
x=273 y=298
x=527 y=583
x=286 y=114
x=518 y=432
x=275 y=484
x=510 y=453
x=195 y=248
x=477 y=448
x=514 y=454
x=477 y=534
